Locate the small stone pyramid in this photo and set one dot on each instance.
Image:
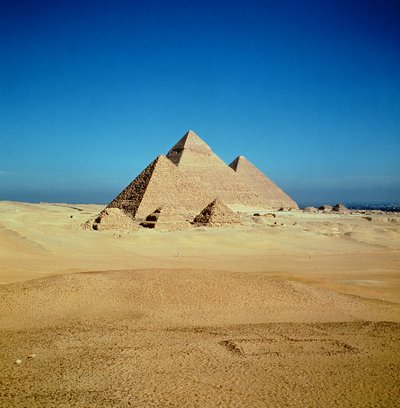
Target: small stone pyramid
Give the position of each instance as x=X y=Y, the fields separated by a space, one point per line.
x=325 y=207
x=197 y=161
x=261 y=184
x=216 y=214
x=164 y=219
x=160 y=184
x=340 y=208
x=111 y=219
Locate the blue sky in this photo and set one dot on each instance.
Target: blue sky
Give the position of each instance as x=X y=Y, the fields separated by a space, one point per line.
x=92 y=91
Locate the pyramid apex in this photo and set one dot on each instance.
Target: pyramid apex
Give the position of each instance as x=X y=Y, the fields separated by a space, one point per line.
x=217 y=200
x=159 y=160
x=235 y=163
x=189 y=142
x=192 y=137
x=240 y=160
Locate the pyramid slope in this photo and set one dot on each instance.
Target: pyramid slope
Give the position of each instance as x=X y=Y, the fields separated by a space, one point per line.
x=160 y=184
x=261 y=184
x=217 y=213
x=199 y=163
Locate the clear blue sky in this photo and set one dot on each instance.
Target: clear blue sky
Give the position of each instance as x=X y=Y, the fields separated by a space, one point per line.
x=92 y=91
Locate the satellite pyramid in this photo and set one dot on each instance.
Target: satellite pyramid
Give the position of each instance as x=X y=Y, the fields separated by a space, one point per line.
x=111 y=219
x=202 y=166
x=216 y=214
x=165 y=219
x=160 y=184
x=261 y=184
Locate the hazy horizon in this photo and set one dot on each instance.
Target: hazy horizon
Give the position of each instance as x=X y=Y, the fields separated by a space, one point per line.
x=91 y=92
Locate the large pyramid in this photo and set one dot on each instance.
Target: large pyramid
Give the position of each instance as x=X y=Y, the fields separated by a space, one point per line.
x=160 y=184
x=171 y=190
x=198 y=162
x=261 y=184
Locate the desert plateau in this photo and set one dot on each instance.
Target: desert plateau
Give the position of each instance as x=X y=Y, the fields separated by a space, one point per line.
x=288 y=309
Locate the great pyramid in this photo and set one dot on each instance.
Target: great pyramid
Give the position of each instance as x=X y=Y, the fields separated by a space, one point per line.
x=216 y=214
x=261 y=184
x=160 y=184
x=171 y=190
x=201 y=165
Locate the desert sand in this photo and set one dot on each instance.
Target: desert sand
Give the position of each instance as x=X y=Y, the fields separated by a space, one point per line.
x=300 y=309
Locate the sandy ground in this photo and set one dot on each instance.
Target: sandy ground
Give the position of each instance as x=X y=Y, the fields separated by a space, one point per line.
x=304 y=312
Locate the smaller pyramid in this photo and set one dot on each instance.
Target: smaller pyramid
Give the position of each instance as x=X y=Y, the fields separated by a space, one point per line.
x=325 y=207
x=272 y=195
x=164 y=219
x=152 y=219
x=216 y=214
x=111 y=219
x=340 y=208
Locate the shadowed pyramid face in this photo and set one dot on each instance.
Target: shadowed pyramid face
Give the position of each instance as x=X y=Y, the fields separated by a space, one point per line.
x=161 y=183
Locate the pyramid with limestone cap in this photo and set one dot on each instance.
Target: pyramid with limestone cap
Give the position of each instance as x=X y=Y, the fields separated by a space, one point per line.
x=274 y=196
x=199 y=163
x=160 y=184
x=190 y=141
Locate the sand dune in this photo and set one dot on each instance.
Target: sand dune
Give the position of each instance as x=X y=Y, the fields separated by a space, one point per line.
x=301 y=314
